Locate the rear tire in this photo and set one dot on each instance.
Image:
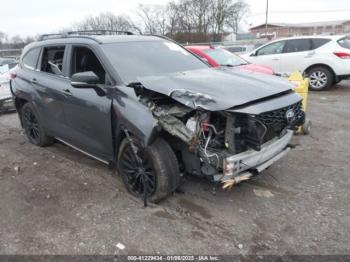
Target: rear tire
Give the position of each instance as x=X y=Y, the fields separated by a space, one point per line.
x=33 y=128
x=320 y=78
x=159 y=164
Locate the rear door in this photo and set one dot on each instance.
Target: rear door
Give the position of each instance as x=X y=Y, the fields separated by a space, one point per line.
x=87 y=114
x=49 y=81
x=268 y=55
x=295 y=54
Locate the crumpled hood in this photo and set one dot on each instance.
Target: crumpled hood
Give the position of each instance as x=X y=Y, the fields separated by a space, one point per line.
x=216 y=89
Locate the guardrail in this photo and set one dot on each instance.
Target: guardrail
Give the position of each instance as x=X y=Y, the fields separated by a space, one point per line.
x=10 y=52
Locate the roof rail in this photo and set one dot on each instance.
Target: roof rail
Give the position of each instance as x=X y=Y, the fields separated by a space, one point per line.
x=100 y=32
x=83 y=34
x=161 y=36
x=51 y=36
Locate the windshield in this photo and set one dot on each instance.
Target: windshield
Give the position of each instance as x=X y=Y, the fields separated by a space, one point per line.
x=224 y=57
x=150 y=58
x=345 y=42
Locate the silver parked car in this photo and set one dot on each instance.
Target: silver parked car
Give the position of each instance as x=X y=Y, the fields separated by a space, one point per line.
x=6 y=102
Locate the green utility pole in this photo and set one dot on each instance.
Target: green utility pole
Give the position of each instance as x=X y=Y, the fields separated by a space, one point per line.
x=267 y=14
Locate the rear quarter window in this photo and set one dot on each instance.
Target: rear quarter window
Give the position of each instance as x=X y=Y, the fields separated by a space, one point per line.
x=30 y=59
x=344 y=42
x=318 y=42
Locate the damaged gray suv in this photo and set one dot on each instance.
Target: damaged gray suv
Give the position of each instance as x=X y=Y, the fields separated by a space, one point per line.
x=152 y=109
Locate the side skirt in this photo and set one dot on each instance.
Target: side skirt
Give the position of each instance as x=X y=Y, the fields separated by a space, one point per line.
x=84 y=152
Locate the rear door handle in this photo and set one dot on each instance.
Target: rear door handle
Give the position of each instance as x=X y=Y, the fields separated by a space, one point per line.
x=34 y=81
x=67 y=92
x=275 y=59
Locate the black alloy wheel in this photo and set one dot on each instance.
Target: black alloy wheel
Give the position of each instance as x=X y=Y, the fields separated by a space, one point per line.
x=138 y=174
x=34 y=130
x=153 y=174
x=31 y=125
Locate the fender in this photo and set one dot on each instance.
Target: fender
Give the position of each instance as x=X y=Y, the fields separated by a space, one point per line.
x=129 y=113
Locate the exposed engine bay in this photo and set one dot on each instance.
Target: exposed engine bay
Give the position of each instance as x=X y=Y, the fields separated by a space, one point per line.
x=204 y=140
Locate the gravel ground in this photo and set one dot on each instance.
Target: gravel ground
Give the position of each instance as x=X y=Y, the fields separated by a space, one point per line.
x=55 y=200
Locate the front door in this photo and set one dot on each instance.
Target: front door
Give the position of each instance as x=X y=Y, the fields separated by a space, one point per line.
x=87 y=114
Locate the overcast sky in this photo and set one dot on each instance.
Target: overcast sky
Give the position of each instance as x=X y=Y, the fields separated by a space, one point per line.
x=31 y=17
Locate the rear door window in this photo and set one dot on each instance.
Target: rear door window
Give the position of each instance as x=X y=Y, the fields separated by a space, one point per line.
x=345 y=42
x=318 y=42
x=52 y=60
x=297 y=45
x=30 y=59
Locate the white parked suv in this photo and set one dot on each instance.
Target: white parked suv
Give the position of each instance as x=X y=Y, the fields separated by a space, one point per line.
x=324 y=59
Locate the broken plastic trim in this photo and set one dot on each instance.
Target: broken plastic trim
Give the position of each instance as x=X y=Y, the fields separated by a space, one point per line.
x=230 y=182
x=270 y=152
x=174 y=126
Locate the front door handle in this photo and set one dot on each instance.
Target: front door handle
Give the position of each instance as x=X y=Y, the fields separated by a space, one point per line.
x=67 y=92
x=34 y=81
x=275 y=59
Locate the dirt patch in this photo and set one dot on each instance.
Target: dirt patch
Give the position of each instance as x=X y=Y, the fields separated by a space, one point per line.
x=194 y=208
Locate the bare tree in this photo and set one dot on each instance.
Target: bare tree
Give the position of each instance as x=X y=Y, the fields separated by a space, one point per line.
x=107 y=21
x=16 y=39
x=173 y=14
x=218 y=12
x=194 y=16
x=184 y=20
x=153 y=18
x=29 y=39
x=236 y=13
x=162 y=19
x=3 y=37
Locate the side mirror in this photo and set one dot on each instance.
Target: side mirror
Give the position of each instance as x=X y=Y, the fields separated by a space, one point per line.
x=85 y=80
x=255 y=53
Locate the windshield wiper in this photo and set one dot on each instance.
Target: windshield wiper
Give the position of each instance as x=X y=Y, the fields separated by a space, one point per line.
x=229 y=65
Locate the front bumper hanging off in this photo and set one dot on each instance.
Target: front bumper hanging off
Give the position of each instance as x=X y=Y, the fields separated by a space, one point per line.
x=240 y=167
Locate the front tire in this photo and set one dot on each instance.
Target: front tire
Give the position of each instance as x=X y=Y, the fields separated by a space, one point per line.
x=320 y=78
x=34 y=130
x=159 y=168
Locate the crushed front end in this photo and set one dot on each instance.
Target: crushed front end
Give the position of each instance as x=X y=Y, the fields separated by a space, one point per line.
x=227 y=146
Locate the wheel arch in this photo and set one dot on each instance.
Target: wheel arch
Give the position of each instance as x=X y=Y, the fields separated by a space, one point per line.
x=144 y=140
x=19 y=103
x=136 y=119
x=321 y=65
x=24 y=98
